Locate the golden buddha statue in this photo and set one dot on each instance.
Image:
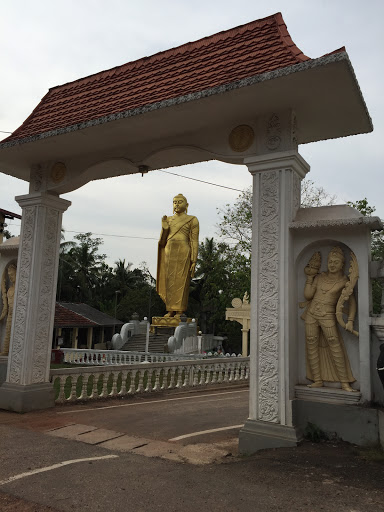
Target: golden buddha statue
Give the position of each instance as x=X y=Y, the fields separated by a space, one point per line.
x=177 y=255
x=326 y=293
x=8 y=299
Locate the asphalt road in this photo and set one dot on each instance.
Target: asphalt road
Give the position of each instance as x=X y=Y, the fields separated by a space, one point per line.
x=169 y=416
x=117 y=456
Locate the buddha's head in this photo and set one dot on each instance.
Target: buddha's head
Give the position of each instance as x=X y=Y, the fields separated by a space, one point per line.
x=180 y=204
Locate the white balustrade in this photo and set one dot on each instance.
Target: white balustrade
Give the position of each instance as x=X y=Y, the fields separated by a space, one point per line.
x=89 y=357
x=85 y=383
x=118 y=357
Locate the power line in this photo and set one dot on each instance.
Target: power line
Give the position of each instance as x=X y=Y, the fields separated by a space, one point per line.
x=2 y=131
x=101 y=234
x=201 y=181
x=143 y=237
x=118 y=236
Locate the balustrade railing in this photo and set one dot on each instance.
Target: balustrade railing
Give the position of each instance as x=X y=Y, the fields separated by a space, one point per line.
x=112 y=357
x=84 y=383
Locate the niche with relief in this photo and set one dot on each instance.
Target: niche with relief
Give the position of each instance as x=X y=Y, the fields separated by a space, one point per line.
x=327 y=319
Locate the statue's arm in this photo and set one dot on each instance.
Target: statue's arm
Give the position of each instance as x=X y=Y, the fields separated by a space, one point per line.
x=351 y=313
x=164 y=231
x=310 y=287
x=194 y=241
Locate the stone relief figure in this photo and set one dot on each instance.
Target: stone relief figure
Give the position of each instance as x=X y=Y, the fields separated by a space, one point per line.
x=326 y=293
x=177 y=255
x=8 y=299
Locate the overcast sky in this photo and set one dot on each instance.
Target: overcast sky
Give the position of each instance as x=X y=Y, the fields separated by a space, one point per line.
x=48 y=43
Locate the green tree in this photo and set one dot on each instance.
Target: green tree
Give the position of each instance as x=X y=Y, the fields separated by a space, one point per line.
x=235 y=226
x=377 y=249
x=140 y=296
x=377 y=237
x=82 y=268
x=84 y=276
x=7 y=234
x=315 y=195
x=210 y=280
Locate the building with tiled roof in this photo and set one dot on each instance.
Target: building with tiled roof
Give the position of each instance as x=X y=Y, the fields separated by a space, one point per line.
x=78 y=325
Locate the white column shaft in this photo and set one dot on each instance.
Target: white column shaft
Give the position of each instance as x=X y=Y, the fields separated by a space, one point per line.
x=276 y=198
x=33 y=319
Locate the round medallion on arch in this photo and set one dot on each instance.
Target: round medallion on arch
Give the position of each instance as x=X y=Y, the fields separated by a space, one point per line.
x=58 y=172
x=237 y=303
x=241 y=138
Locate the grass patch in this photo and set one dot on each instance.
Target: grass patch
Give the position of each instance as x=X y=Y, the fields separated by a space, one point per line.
x=315 y=434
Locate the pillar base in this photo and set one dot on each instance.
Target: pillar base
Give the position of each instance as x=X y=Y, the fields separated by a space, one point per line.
x=259 y=435
x=357 y=424
x=18 y=398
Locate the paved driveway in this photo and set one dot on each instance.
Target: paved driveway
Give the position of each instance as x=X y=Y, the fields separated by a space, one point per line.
x=185 y=416
x=119 y=456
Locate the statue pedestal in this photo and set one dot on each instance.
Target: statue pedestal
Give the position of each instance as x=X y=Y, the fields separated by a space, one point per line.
x=166 y=324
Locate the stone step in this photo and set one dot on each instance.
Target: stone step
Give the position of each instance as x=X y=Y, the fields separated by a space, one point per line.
x=137 y=343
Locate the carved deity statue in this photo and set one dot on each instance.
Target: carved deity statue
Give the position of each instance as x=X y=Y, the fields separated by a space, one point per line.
x=177 y=255
x=326 y=293
x=8 y=299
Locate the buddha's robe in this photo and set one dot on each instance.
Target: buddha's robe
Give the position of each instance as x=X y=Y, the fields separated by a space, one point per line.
x=178 y=246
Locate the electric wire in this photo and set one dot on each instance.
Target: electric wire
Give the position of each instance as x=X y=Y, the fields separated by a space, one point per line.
x=144 y=237
x=201 y=181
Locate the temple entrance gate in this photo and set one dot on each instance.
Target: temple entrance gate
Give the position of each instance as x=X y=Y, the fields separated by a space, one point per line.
x=246 y=96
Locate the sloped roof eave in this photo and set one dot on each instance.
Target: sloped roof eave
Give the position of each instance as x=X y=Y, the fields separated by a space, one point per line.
x=89 y=314
x=220 y=89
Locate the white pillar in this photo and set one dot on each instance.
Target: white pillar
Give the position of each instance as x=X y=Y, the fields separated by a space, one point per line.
x=276 y=199
x=245 y=342
x=89 y=337
x=27 y=385
x=75 y=337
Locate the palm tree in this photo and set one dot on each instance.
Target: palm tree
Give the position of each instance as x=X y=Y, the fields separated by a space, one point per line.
x=82 y=268
x=210 y=280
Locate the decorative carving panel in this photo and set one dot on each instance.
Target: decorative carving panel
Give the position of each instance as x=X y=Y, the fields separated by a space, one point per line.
x=268 y=297
x=47 y=289
x=23 y=292
x=273 y=140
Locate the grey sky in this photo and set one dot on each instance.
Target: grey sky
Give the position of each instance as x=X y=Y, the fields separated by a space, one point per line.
x=48 y=43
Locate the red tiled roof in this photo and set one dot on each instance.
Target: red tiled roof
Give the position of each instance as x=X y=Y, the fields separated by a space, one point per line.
x=245 y=51
x=66 y=318
x=10 y=215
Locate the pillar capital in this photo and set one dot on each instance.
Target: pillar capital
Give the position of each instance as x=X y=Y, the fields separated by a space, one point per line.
x=43 y=199
x=290 y=159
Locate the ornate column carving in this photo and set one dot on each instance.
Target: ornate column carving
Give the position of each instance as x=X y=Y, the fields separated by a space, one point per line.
x=27 y=385
x=276 y=198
